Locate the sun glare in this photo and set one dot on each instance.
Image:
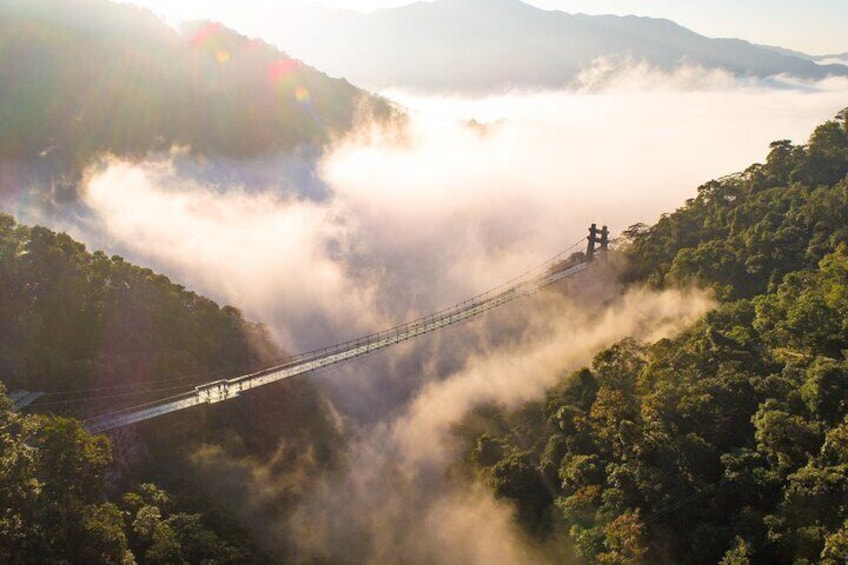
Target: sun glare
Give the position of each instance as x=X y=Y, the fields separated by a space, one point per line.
x=301 y=93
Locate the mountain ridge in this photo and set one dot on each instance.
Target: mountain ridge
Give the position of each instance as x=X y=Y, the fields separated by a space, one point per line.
x=76 y=75
x=473 y=46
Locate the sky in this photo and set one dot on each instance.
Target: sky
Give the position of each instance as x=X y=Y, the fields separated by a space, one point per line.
x=816 y=27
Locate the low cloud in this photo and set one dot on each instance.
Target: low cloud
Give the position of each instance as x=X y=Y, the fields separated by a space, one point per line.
x=476 y=190
x=511 y=376
x=392 y=502
x=394 y=225
x=274 y=255
x=396 y=501
x=834 y=60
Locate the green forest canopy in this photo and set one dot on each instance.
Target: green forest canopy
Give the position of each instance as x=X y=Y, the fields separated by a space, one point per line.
x=728 y=443
x=71 y=320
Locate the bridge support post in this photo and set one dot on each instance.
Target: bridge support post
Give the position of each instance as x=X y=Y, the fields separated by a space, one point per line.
x=597 y=237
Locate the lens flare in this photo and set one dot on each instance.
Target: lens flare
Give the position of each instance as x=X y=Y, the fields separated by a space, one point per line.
x=203 y=35
x=301 y=93
x=280 y=70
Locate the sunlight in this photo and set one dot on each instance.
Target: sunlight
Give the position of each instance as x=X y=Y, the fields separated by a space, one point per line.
x=206 y=208
x=302 y=95
x=281 y=70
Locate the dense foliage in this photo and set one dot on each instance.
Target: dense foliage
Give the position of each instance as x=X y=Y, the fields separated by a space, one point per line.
x=728 y=443
x=70 y=319
x=55 y=508
x=743 y=233
x=96 y=333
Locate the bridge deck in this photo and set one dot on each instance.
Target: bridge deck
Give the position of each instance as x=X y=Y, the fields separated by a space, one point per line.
x=225 y=389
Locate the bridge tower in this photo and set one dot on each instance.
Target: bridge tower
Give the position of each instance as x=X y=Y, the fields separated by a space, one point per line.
x=597 y=237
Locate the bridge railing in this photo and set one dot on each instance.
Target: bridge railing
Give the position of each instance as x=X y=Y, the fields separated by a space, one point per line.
x=555 y=269
x=557 y=263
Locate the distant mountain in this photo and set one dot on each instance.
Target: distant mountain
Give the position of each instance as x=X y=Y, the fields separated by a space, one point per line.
x=78 y=77
x=836 y=58
x=788 y=52
x=489 y=45
x=832 y=59
x=843 y=56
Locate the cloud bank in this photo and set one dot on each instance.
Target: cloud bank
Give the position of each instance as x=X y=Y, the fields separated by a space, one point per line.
x=394 y=225
x=393 y=502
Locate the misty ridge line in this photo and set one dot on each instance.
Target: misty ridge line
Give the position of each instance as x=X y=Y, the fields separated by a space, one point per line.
x=455 y=194
x=476 y=47
x=88 y=78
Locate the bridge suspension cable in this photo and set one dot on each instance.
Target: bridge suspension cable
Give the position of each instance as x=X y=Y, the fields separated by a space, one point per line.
x=559 y=267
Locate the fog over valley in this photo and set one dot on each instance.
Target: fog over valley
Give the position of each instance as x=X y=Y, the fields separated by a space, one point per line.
x=472 y=192
x=465 y=195
x=181 y=204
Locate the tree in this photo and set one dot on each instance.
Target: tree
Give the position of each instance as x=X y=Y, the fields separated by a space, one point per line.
x=20 y=490
x=835 y=550
x=517 y=479
x=613 y=422
x=623 y=541
x=781 y=160
x=786 y=439
x=799 y=316
x=738 y=554
x=827 y=155
x=825 y=390
x=102 y=537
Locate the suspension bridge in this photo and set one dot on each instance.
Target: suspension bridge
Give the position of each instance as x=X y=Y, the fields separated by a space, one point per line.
x=564 y=265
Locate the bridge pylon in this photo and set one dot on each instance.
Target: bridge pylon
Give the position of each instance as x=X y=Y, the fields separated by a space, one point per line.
x=597 y=237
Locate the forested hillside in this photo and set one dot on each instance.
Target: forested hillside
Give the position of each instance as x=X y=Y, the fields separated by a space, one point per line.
x=56 y=505
x=78 y=320
x=728 y=443
x=81 y=77
x=96 y=333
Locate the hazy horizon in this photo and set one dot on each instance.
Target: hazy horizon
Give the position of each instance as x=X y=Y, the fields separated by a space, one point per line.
x=815 y=27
